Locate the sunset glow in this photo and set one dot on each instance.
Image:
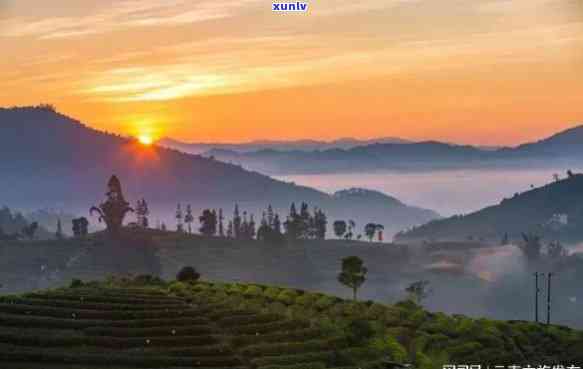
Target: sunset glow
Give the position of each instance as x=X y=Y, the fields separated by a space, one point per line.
x=232 y=70
x=145 y=140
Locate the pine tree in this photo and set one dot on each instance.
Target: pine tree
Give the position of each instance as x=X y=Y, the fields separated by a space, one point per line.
x=59 y=234
x=208 y=223
x=221 y=219
x=189 y=218
x=251 y=232
x=179 y=216
x=270 y=216
x=230 y=229
x=277 y=224
x=236 y=223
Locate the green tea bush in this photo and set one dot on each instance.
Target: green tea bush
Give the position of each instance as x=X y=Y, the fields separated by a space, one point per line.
x=324 y=302
x=280 y=337
x=292 y=359
x=389 y=345
x=287 y=297
x=272 y=292
x=253 y=291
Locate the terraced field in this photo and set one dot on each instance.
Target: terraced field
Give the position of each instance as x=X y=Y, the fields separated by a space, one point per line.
x=93 y=328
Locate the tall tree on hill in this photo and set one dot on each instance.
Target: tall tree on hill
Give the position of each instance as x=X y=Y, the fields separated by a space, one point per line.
x=179 y=216
x=351 y=227
x=80 y=227
x=371 y=229
x=142 y=212
x=230 y=233
x=114 y=209
x=293 y=224
x=208 y=223
x=321 y=223
x=270 y=216
x=59 y=233
x=339 y=228
x=236 y=222
x=189 y=218
x=532 y=246
x=30 y=230
x=221 y=219
x=353 y=274
x=276 y=224
x=252 y=230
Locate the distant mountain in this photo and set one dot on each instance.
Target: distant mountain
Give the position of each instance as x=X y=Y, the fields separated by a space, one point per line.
x=299 y=145
x=49 y=160
x=566 y=147
x=554 y=211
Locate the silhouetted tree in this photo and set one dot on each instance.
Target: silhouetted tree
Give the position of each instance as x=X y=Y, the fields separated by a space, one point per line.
x=570 y=173
x=208 y=223
x=371 y=229
x=30 y=230
x=189 y=218
x=187 y=274
x=532 y=246
x=419 y=291
x=320 y=222
x=353 y=274
x=236 y=222
x=556 y=250
x=221 y=220
x=115 y=208
x=142 y=212
x=340 y=228
x=59 y=233
x=80 y=227
x=179 y=216
x=230 y=233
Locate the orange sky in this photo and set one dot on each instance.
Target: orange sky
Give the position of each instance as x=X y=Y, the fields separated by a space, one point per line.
x=480 y=71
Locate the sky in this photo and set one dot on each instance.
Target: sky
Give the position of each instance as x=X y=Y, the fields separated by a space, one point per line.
x=488 y=72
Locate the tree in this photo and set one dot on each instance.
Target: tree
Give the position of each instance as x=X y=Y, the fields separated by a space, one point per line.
x=221 y=228
x=339 y=228
x=556 y=250
x=114 y=209
x=532 y=246
x=419 y=291
x=189 y=218
x=351 y=227
x=270 y=216
x=353 y=274
x=142 y=212
x=369 y=230
x=30 y=230
x=179 y=216
x=230 y=229
x=570 y=173
x=208 y=223
x=59 y=233
x=320 y=223
x=187 y=274
x=80 y=226
x=236 y=222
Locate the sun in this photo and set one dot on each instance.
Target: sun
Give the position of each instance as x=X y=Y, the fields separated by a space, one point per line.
x=145 y=139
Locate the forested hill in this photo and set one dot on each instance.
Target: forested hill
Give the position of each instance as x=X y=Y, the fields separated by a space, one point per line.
x=50 y=159
x=554 y=211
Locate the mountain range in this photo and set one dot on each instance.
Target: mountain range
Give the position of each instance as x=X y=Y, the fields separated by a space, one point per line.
x=52 y=161
x=565 y=148
x=299 y=145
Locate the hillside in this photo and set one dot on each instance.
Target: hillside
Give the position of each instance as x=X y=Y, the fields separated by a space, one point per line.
x=554 y=211
x=564 y=147
x=146 y=322
x=50 y=160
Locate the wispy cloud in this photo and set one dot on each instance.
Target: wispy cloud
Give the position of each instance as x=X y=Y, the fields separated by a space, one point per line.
x=123 y=15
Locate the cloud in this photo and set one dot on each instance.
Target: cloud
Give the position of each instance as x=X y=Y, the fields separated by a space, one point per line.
x=123 y=15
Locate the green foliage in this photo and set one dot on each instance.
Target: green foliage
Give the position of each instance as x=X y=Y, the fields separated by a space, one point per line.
x=76 y=283
x=187 y=274
x=324 y=302
x=389 y=345
x=353 y=273
x=253 y=291
x=359 y=332
x=287 y=296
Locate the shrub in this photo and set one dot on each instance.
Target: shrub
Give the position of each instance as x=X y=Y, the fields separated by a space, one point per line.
x=307 y=300
x=187 y=274
x=287 y=296
x=359 y=332
x=76 y=283
x=392 y=347
x=148 y=279
x=178 y=288
x=272 y=292
x=324 y=303
x=253 y=291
